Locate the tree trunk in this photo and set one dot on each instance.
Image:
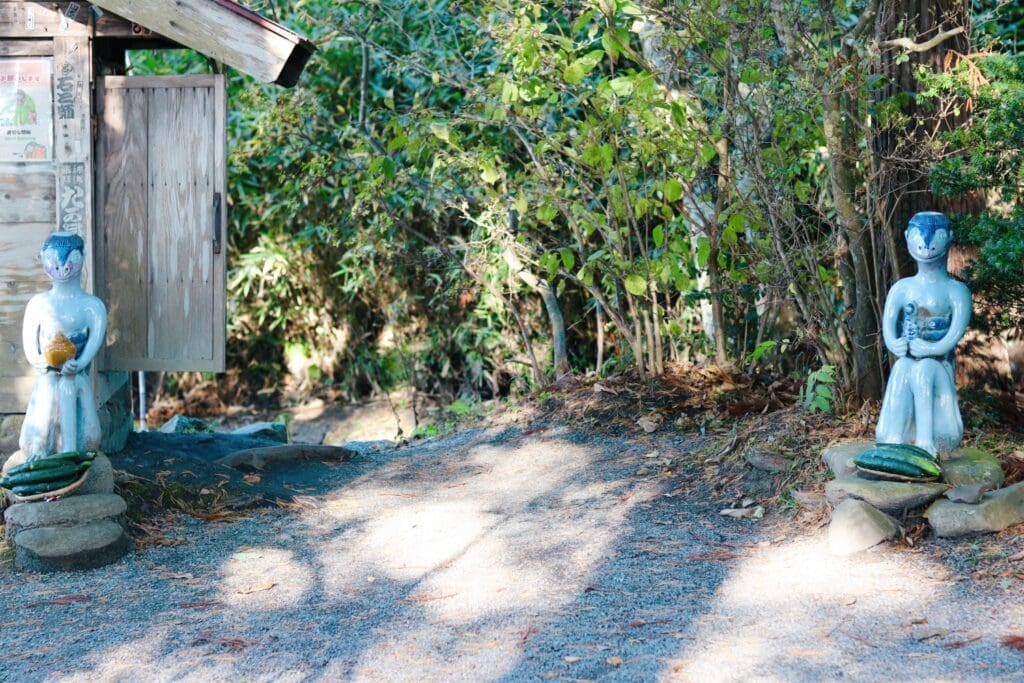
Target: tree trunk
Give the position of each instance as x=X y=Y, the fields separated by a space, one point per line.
x=863 y=323
x=561 y=358
x=901 y=150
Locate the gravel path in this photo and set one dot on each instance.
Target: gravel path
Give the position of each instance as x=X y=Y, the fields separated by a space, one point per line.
x=494 y=555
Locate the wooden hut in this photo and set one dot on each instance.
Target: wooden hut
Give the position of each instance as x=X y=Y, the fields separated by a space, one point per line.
x=136 y=165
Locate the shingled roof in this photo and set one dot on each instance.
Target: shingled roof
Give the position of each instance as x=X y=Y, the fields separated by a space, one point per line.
x=223 y=30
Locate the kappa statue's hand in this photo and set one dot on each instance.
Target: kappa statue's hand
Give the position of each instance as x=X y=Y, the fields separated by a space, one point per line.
x=921 y=349
x=69 y=368
x=899 y=347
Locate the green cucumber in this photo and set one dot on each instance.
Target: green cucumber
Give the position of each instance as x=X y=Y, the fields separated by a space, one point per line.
x=44 y=487
x=44 y=464
x=898 y=459
x=905 y=448
x=912 y=454
x=48 y=474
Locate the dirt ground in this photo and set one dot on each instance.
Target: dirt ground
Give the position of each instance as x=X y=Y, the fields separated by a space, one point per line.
x=584 y=547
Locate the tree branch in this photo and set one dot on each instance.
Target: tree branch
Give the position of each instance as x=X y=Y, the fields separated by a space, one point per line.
x=910 y=46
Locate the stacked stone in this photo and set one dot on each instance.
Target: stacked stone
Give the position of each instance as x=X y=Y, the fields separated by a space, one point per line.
x=83 y=530
x=970 y=499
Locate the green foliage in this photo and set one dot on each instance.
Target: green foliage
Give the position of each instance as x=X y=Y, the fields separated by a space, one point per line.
x=817 y=395
x=656 y=161
x=988 y=157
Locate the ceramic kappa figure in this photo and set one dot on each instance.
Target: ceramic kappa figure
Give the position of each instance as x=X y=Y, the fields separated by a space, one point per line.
x=924 y=318
x=64 y=328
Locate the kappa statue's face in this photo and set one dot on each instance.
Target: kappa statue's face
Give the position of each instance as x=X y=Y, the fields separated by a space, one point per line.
x=924 y=250
x=62 y=271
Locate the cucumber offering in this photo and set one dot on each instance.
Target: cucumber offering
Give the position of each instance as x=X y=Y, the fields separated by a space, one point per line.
x=59 y=460
x=898 y=461
x=44 y=487
x=49 y=474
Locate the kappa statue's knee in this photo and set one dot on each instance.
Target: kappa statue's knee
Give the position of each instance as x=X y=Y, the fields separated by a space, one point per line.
x=924 y=373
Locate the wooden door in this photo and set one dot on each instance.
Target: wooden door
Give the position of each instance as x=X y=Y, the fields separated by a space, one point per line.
x=160 y=237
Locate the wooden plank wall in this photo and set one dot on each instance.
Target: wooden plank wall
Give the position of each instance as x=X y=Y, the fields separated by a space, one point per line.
x=28 y=206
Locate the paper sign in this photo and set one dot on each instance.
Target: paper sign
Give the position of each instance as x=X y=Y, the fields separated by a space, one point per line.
x=26 y=109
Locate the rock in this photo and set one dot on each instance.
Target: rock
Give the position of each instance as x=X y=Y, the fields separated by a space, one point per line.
x=766 y=461
x=894 y=497
x=10 y=433
x=968 y=493
x=839 y=457
x=258 y=458
x=996 y=511
x=183 y=424
x=99 y=479
x=17 y=457
x=857 y=526
x=972 y=466
x=277 y=431
x=63 y=548
x=71 y=511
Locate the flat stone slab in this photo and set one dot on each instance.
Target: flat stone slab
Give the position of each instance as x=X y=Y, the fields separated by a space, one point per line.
x=966 y=466
x=70 y=511
x=839 y=457
x=857 y=526
x=995 y=511
x=894 y=497
x=67 y=548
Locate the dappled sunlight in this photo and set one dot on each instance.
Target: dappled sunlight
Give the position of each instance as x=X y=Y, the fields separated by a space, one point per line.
x=800 y=602
x=500 y=541
x=414 y=539
x=264 y=578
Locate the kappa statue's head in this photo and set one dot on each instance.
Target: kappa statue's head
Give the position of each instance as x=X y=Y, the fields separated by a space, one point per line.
x=928 y=236
x=63 y=255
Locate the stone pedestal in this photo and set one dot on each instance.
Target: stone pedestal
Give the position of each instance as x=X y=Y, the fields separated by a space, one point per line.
x=77 y=532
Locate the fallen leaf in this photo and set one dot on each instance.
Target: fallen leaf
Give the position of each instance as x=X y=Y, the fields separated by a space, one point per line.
x=924 y=632
x=744 y=513
x=918 y=620
x=430 y=598
x=957 y=644
x=647 y=424
x=199 y=604
x=719 y=555
x=62 y=600
x=598 y=388
x=614 y=661
x=256 y=588
x=252 y=478
x=1013 y=640
x=570 y=659
x=1016 y=557
x=231 y=643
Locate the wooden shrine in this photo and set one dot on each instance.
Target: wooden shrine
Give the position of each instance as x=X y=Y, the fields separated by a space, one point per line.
x=136 y=165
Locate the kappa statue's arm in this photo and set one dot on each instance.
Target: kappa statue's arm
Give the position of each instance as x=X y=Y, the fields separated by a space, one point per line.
x=894 y=302
x=30 y=335
x=97 y=314
x=960 y=298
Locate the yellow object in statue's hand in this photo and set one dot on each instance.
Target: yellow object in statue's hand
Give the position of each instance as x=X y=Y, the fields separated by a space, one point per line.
x=59 y=350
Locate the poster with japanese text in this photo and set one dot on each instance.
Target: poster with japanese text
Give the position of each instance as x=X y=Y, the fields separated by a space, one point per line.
x=26 y=109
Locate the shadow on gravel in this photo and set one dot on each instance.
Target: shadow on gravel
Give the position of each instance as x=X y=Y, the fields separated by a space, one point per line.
x=487 y=555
